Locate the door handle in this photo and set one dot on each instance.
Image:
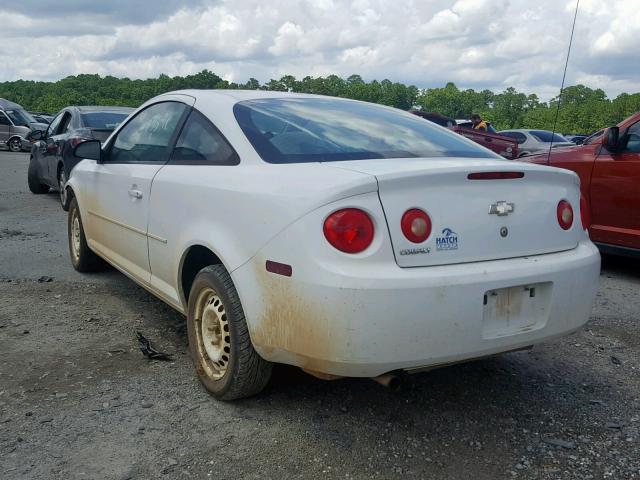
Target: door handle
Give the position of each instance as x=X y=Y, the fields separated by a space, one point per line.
x=135 y=194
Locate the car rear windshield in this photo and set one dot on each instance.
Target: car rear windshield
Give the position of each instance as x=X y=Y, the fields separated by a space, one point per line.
x=108 y=120
x=296 y=130
x=545 y=136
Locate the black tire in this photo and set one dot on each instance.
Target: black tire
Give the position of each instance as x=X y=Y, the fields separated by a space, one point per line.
x=82 y=257
x=34 y=182
x=15 y=144
x=239 y=371
x=63 y=192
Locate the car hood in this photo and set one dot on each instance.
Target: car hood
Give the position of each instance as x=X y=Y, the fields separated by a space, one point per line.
x=38 y=126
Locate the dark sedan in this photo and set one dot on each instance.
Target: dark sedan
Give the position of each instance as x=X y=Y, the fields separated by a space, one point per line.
x=52 y=154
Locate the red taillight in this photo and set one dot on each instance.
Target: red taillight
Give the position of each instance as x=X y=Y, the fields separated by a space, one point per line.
x=585 y=213
x=416 y=225
x=349 y=230
x=565 y=215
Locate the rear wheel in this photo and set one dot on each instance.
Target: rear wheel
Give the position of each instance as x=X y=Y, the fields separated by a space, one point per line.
x=34 y=181
x=225 y=360
x=64 y=195
x=15 y=144
x=83 y=258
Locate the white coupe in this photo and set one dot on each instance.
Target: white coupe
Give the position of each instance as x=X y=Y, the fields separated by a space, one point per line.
x=347 y=238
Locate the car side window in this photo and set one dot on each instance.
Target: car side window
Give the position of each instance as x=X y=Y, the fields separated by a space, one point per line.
x=53 y=126
x=201 y=143
x=149 y=136
x=517 y=136
x=64 y=125
x=4 y=120
x=633 y=138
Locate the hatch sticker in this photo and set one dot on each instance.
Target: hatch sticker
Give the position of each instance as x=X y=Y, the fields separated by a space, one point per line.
x=447 y=241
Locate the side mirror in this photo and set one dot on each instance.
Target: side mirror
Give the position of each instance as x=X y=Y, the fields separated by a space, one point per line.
x=610 y=138
x=91 y=150
x=35 y=135
x=580 y=141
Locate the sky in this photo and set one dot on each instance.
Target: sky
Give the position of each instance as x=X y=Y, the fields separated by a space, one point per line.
x=476 y=44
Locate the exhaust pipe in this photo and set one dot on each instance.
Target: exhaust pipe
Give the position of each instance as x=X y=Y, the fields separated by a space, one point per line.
x=388 y=380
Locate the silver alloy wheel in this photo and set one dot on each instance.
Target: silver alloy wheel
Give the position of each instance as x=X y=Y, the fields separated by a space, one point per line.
x=212 y=332
x=75 y=235
x=15 y=145
x=62 y=180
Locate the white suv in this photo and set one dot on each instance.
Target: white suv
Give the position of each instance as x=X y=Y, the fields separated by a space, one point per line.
x=347 y=238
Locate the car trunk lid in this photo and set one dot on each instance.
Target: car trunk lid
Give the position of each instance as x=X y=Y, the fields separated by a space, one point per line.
x=474 y=219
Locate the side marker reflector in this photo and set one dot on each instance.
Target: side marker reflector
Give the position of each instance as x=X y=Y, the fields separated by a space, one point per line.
x=279 y=268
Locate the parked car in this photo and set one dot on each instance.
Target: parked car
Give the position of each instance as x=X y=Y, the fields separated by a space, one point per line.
x=608 y=164
x=577 y=139
x=534 y=141
x=15 y=126
x=505 y=146
x=436 y=118
x=52 y=154
x=347 y=238
x=501 y=144
x=42 y=117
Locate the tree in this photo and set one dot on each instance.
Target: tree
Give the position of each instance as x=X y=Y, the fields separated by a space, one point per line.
x=582 y=109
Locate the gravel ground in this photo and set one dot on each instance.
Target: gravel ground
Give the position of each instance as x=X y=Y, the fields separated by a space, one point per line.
x=78 y=400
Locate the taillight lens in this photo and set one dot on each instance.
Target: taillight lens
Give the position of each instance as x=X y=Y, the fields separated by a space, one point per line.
x=416 y=225
x=350 y=230
x=585 y=213
x=565 y=215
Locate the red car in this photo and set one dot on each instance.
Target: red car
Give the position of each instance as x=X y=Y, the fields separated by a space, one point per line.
x=501 y=144
x=608 y=164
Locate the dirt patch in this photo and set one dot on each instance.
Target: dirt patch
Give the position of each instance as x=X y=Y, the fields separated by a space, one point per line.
x=19 y=234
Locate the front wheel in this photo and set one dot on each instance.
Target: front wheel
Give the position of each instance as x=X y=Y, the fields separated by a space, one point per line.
x=15 y=145
x=225 y=360
x=33 y=180
x=83 y=258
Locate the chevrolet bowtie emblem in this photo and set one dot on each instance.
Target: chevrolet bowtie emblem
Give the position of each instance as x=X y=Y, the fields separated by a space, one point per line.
x=501 y=208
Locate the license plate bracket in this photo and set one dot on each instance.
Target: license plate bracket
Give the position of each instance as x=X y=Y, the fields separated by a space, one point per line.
x=515 y=310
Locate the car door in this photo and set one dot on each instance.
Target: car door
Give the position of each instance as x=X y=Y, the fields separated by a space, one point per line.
x=55 y=145
x=615 y=193
x=5 y=128
x=47 y=148
x=201 y=152
x=118 y=188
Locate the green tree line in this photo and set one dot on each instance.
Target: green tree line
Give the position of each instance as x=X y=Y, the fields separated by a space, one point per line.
x=582 y=109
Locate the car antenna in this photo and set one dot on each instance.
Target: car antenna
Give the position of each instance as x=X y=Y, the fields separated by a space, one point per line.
x=566 y=63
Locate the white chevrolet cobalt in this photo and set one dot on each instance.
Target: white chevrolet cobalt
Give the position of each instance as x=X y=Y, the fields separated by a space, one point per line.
x=346 y=238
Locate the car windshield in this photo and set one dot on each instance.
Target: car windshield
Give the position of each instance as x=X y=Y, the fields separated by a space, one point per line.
x=295 y=130
x=20 y=117
x=108 y=120
x=547 y=137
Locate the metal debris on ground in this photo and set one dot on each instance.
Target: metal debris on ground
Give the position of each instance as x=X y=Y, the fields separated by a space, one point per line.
x=150 y=352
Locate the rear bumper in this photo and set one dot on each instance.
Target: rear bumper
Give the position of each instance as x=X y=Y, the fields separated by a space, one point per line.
x=394 y=318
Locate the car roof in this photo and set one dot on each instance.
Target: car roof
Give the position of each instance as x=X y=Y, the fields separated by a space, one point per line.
x=241 y=95
x=98 y=108
x=7 y=104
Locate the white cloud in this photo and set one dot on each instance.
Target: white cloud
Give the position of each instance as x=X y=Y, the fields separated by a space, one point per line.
x=474 y=43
